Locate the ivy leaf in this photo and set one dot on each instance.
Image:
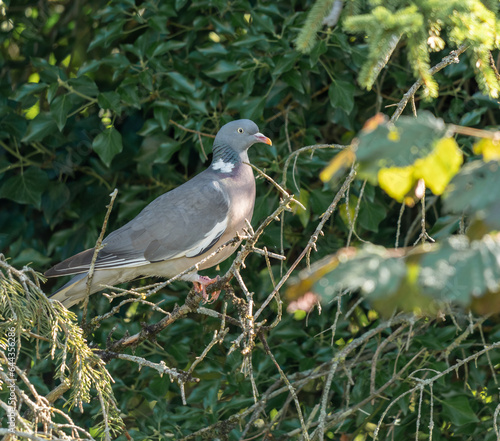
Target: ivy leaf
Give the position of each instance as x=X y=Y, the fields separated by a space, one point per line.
x=84 y=85
x=27 y=90
x=110 y=100
x=108 y=144
x=458 y=411
x=222 y=70
x=285 y=63
x=251 y=108
x=39 y=127
x=370 y=215
x=181 y=83
x=26 y=187
x=341 y=94
x=105 y=36
x=294 y=79
x=60 y=108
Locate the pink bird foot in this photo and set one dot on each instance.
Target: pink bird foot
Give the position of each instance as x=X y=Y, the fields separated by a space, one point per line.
x=201 y=285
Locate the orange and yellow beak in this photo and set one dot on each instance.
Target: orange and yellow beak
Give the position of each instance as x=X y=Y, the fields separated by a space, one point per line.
x=261 y=138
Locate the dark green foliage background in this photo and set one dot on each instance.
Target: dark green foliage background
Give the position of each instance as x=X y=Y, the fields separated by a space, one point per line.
x=112 y=77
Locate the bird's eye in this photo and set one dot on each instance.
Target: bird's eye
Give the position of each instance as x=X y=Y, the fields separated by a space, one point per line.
x=240 y=130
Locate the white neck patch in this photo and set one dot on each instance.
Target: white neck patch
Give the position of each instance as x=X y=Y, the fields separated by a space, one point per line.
x=224 y=167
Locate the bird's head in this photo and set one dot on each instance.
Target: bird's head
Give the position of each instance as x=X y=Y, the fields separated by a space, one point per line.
x=239 y=135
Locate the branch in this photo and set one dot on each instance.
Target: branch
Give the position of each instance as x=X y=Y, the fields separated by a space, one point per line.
x=446 y=61
x=98 y=247
x=312 y=241
x=208 y=135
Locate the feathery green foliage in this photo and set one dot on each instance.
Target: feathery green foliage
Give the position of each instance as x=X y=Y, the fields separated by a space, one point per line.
x=428 y=26
x=307 y=36
x=425 y=26
x=52 y=332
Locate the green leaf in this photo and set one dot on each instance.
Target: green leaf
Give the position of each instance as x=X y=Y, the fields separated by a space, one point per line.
x=52 y=91
x=294 y=79
x=458 y=269
x=166 y=150
x=248 y=80
x=458 y=411
x=108 y=144
x=285 y=63
x=318 y=50
x=110 y=100
x=47 y=71
x=150 y=126
x=222 y=70
x=253 y=108
x=26 y=187
x=39 y=127
x=106 y=35
x=30 y=256
x=473 y=117
x=181 y=83
x=304 y=215
x=198 y=105
x=162 y=115
x=128 y=93
x=398 y=145
x=54 y=199
x=371 y=214
x=59 y=109
x=27 y=90
x=90 y=66
x=372 y=271
x=85 y=86
x=341 y=94
x=470 y=192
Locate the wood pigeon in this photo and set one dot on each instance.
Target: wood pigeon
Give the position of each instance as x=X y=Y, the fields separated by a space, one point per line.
x=179 y=228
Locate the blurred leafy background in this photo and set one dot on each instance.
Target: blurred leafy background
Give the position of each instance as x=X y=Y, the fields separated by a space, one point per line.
x=126 y=94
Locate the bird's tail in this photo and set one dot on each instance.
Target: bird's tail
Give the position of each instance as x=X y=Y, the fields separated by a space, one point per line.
x=73 y=292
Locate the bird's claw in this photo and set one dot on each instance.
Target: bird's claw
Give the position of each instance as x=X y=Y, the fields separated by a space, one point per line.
x=201 y=286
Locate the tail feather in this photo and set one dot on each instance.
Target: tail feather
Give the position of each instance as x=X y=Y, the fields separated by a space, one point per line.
x=76 y=289
x=77 y=264
x=73 y=292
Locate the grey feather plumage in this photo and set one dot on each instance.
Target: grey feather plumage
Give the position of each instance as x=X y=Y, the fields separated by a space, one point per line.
x=179 y=228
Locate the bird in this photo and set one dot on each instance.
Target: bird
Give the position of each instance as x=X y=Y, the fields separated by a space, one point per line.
x=179 y=228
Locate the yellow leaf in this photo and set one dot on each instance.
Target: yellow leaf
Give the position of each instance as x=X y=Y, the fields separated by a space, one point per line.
x=303 y=214
x=396 y=181
x=393 y=135
x=438 y=168
x=348 y=216
x=338 y=164
x=33 y=111
x=490 y=149
x=34 y=78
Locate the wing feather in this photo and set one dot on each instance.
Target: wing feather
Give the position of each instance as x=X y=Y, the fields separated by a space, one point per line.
x=184 y=222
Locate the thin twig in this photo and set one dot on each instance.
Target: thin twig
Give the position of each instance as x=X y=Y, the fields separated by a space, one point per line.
x=312 y=241
x=97 y=248
x=446 y=61
x=208 y=135
x=288 y=384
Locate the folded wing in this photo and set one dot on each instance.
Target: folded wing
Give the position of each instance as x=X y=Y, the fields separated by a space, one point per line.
x=170 y=227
